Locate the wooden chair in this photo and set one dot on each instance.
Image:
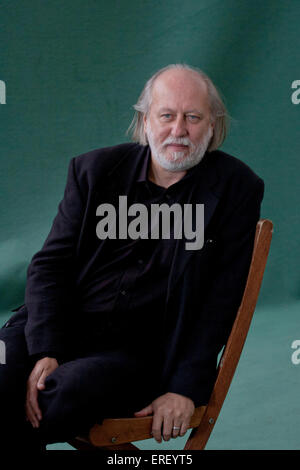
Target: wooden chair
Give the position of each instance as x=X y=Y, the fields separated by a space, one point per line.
x=117 y=434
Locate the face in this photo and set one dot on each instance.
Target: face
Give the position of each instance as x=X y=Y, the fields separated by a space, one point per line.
x=178 y=125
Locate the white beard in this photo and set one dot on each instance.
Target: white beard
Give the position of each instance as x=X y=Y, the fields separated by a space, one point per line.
x=177 y=162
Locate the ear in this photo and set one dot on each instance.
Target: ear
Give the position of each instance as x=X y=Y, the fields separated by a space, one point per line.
x=145 y=123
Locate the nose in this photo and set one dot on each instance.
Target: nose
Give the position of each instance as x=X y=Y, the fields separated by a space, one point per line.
x=179 y=128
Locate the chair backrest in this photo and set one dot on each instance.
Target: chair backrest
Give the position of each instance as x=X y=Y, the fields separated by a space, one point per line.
x=231 y=354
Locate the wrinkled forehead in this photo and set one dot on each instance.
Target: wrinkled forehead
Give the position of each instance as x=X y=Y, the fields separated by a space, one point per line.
x=179 y=88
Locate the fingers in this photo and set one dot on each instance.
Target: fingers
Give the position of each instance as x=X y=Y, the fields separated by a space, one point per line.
x=41 y=381
x=166 y=427
x=144 y=412
x=184 y=428
x=36 y=382
x=180 y=426
x=172 y=414
x=156 y=426
x=32 y=409
x=32 y=415
x=163 y=426
x=176 y=429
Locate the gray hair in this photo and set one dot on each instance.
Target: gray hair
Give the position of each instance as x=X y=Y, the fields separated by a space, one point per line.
x=217 y=108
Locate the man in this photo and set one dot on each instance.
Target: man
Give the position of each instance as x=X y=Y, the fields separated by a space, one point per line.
x=119 y=325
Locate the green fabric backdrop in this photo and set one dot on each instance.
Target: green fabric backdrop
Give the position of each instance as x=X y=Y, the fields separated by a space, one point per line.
x=73 y=70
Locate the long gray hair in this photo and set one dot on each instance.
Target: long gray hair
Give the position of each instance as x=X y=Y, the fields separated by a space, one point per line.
x=217 y=108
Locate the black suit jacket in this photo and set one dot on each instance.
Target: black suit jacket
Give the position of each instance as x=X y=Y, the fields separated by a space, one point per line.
x=204 y=287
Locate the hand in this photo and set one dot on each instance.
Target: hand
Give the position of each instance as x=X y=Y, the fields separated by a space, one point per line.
x=170 y=409
x=36 y=382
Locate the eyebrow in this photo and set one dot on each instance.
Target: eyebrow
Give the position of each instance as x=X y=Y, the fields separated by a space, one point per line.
x=163 y=110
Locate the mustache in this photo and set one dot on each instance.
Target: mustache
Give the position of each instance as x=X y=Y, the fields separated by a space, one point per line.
x=179 y=140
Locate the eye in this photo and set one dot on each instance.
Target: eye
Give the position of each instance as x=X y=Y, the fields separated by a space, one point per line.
x=193 y=118
x=166 y=116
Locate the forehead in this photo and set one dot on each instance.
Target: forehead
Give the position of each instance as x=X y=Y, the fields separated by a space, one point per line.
x=180 y=89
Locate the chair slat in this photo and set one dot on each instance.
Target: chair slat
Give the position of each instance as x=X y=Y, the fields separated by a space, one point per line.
x=130 y=429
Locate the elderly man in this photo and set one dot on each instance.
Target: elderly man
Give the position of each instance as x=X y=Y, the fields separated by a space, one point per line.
x=120 y=323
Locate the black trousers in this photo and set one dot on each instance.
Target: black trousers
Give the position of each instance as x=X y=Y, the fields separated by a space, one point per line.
x=103 y=381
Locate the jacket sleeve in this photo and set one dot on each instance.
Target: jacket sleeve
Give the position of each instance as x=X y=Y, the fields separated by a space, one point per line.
x=210 y=313
x=50 y=275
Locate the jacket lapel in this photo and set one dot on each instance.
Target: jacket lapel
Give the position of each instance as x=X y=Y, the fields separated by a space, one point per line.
x=115 y=182
x=120 y=178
